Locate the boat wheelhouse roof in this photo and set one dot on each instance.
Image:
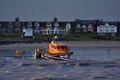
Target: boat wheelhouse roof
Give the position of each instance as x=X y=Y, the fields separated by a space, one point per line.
x=58 y=43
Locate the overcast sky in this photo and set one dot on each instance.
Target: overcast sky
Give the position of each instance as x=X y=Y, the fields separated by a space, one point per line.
x=46 y=10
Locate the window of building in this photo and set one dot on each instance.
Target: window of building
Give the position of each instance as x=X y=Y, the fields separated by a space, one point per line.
x=107 y=25
x=83 y=26
x=48 y=24
x=107 y=30
x=56 y=24
x=37 y=25
x=78 y=30
x=29 y=24
x=90 y=30
x=112 y=30
x=100 y=30
x=100 y=26
x=68 y=26
x=55 y=32
x=90 y=26
x=78 y=26
x=84 y=30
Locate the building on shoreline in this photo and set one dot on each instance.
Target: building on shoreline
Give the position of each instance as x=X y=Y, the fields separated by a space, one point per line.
x=85 y=26
x=107 y=28
x=61 y=27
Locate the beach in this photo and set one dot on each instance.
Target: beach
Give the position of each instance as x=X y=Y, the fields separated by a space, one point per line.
x=92 y=44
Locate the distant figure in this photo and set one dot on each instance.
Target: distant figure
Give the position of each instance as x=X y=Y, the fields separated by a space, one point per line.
x=23 y=52
x=17 y=52
x=39 y=53
x=20 y=52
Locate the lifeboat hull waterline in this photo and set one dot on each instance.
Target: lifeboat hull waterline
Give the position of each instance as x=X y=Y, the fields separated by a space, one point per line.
x=58 y=56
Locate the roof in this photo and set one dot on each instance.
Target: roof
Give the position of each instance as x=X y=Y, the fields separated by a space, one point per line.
x=87 y=22
x=61 y=23
x=110 y=23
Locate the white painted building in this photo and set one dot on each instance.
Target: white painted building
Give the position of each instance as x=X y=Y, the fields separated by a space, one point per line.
x=28 y=31
x=29 y=25
x=37 y=27
x=90 y=28
x=49 y=29
x=55 y=28
x=78 y=28
x=107 y=29
x=68 y=27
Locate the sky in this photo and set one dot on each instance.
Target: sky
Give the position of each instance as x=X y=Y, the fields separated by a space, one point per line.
x=64 y=10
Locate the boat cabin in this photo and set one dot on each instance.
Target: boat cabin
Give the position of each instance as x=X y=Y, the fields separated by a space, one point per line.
x=57 y=47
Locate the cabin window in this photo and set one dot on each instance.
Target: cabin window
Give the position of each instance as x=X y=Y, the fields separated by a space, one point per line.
x=53 y=47
x=62 y=47
x=66 y=47
x=58 y=47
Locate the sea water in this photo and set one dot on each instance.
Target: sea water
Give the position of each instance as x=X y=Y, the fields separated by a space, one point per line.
x=85 y=64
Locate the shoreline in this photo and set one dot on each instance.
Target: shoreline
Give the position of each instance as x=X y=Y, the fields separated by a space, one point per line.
x=95 y=44
x=74 y=44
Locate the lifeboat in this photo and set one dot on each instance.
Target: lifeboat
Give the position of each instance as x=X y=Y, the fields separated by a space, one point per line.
x=56 y=50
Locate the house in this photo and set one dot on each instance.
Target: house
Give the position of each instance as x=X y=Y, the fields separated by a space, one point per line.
x=17 y=27
x=49 y=29
x=10 y=27
x=118 y=29
x=44 y=28
x=4 y=27
x=85 y=26
x=68 y=28
x=78 y=28
x=60 y=27
x=107 y=28
x=57 y=29
x=37 y=27
x=90 y=28
x=52 y=27
x=28 y=30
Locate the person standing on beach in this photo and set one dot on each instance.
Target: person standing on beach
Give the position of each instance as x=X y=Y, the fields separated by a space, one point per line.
x=17 y=52
x=20 y=52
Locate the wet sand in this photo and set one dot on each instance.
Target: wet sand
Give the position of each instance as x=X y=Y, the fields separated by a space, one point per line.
x=98 y=44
